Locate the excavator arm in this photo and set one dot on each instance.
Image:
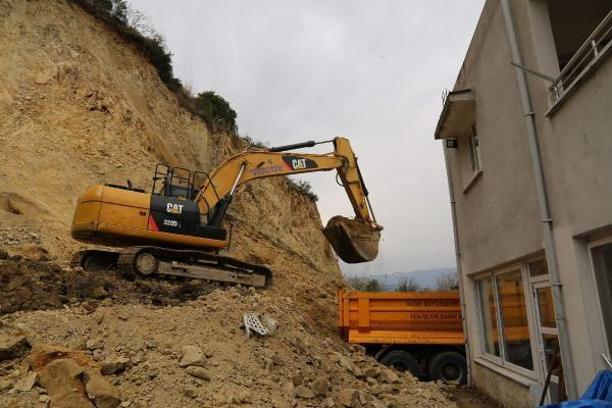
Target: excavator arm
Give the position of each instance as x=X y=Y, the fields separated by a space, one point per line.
x=353 y=240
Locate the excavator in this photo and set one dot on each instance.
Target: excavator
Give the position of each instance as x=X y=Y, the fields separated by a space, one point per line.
x=178 y=228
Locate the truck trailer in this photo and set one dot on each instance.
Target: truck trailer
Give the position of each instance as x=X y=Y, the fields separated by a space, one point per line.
x=419 y=332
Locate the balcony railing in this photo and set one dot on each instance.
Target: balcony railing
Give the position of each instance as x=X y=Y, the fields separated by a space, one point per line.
x=594 y=49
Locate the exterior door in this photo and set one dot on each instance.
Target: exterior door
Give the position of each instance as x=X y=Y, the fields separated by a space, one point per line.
x=548 y=334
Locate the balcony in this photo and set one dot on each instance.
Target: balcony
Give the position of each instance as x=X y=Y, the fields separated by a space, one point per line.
x=589 y=55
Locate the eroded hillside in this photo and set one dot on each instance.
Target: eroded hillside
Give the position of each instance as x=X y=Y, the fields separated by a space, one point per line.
x=81 y=106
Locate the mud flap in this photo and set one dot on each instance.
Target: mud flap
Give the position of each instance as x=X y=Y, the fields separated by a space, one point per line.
x=353 y=241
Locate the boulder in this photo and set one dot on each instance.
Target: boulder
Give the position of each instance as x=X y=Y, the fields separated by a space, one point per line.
x=348 y=397
x=320 y=386
x=303 y=392
x=100 y=391
x=115 y=365
x=61 y=379
x=191 y=356
x=12 y=346
x=198 y=372
x=388 y=376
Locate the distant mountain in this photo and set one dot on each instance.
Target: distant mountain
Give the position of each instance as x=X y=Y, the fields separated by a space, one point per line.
x=426 y=278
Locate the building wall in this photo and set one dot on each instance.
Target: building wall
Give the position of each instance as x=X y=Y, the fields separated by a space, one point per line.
x=578 y=144
x=498 y=219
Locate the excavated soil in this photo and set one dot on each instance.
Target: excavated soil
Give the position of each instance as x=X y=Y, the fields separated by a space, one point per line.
x=80 y=106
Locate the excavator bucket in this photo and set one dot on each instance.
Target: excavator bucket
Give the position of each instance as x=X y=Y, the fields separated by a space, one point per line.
x=353 y=241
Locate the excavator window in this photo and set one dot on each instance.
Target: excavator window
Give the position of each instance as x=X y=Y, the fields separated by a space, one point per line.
x=177 y=182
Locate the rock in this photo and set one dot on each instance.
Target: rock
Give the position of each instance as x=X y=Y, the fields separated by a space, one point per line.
x=44 y=399
x=372 y=372
x=244 y=397
x=191 y=356
x=100 y=391
x=5 y=385
x=297 y=379
x=98 y=292
x=123 y=315
x=371 y=381
x=389 y=376
x=320 y=386
x=94 y=344
x=303 y=392
x=348 y=397
x=190 y=391
x=12 y=346
x=115 y=365
x=61 y=379
x=27 y=382
x=277 y=360
x=198 y=372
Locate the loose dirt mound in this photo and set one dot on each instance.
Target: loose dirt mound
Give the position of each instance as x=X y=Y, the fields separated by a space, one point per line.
x=37 y=285
x=196 y=354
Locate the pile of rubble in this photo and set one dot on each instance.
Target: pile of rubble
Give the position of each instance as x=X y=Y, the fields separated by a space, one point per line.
x=192 y=355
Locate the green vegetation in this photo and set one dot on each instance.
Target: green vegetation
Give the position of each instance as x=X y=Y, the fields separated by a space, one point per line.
x=216 y=110
x=408 y=285
x=364 y=284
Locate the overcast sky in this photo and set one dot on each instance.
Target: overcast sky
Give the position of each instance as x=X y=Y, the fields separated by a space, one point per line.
x=373 y=71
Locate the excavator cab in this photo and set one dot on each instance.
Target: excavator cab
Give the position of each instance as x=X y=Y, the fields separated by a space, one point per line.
x=174 y=182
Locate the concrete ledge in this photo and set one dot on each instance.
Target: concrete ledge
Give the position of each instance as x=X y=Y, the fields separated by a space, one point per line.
x=505 y=372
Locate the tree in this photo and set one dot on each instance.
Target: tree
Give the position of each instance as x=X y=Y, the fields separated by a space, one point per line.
x=373 y=285
x=447 y=281
x=408 y=284
x=364 y=284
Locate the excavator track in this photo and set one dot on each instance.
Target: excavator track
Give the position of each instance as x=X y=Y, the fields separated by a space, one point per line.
x=90 y=259
x=148 y=260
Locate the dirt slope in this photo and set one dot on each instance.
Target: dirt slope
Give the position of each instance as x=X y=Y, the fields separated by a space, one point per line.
x=80 y=106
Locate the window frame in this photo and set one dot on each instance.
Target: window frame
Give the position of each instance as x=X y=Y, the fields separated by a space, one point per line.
x=472 y=170
x=501 y=361
x=591 y=247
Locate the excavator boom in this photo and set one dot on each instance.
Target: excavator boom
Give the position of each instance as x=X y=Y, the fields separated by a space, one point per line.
x=354 y=240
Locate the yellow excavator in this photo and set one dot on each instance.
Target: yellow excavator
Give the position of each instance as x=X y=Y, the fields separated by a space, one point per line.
x=177 y=229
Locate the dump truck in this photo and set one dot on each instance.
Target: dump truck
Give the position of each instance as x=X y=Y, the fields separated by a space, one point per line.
x=419 y=332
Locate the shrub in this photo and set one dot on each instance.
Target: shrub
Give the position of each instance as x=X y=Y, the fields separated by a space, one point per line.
x=302 y=187
x=216 y=111
x=364 y=284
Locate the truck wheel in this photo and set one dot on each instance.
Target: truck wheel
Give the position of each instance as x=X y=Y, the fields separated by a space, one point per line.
x=402 y=361
x=448 y=366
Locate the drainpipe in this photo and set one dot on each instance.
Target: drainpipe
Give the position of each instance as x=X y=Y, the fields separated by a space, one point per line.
x=459 y=274
x=549 y=243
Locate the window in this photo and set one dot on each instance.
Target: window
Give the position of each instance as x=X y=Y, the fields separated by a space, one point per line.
x=504 y=322
x=514 y=315
x=473 y=150
x=489 y=317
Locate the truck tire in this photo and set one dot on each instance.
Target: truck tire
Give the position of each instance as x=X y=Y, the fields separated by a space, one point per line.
x=448 y=366
x=402 y=361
